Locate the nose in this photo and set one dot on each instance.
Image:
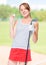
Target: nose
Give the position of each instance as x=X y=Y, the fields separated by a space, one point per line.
x=24 y=11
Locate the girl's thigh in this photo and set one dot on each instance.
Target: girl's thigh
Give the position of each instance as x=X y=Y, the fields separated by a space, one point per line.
x=12 y=62
x=21 y=63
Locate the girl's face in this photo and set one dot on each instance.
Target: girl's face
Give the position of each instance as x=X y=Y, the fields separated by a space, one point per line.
x=24 y=11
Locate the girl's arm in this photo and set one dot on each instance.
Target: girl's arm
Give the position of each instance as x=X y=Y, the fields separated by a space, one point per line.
x=12 y=26
x=35 y=34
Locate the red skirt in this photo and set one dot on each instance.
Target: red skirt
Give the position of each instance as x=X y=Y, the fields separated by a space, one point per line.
x=17 y=54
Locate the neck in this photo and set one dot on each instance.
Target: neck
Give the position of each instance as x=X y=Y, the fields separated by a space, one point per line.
x=27 y=17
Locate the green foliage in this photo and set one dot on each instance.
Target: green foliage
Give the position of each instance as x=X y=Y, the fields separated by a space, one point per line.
x=40 y=15
x=6 y=11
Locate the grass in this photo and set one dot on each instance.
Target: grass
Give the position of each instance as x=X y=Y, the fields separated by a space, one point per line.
x=40 y=46
x=4 y=34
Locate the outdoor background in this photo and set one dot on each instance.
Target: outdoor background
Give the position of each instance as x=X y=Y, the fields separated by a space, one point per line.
x=38 y=11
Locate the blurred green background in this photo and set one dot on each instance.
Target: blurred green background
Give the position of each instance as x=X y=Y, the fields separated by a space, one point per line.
x=6 y=11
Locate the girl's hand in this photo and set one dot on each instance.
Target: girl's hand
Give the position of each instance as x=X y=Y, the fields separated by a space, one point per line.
x=12 y=17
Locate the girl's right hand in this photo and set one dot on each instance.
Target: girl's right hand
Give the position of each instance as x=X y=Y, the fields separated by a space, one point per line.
x=12 y=17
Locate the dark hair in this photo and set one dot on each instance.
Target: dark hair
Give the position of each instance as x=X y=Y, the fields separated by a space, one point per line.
x=26 y=5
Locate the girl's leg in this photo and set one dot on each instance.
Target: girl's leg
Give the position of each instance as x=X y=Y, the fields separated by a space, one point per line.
x=12 y=62
x=21 y=63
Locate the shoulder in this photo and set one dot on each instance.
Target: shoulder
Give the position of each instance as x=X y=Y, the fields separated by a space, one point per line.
x=34 y=20
x=35 y=23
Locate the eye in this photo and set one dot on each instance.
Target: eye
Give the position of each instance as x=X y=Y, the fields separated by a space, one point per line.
x=21 y=9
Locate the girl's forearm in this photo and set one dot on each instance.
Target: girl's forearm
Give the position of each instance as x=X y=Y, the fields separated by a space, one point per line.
x=11 y=28
x=11 y=32
x=35 y=34
x=35 y=37
x=12 y=24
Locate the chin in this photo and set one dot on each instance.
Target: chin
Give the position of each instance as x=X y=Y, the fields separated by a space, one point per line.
x=25 y=16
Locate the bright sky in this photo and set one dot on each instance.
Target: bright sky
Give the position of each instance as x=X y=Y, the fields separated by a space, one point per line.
x=34 y=4
x=3 y=1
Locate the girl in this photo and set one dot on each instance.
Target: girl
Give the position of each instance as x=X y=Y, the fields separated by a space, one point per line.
x=19 y=31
